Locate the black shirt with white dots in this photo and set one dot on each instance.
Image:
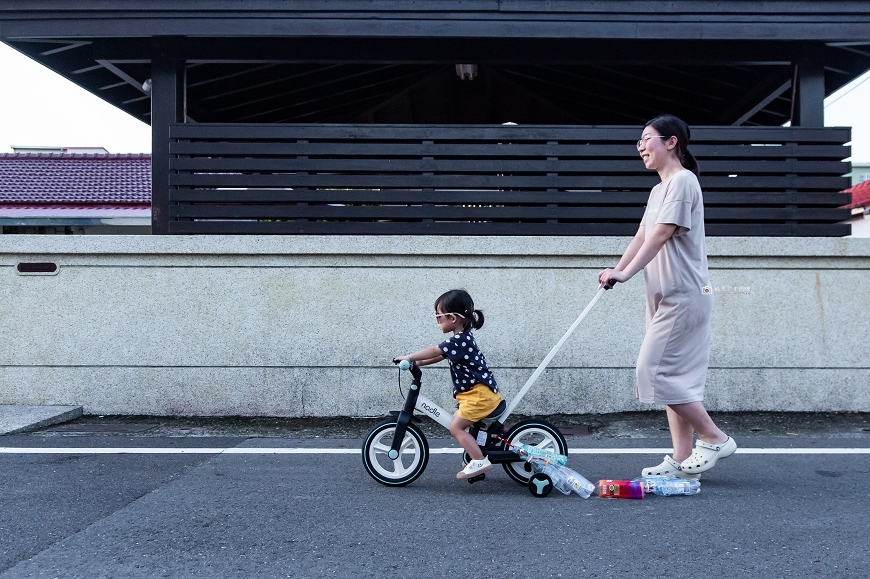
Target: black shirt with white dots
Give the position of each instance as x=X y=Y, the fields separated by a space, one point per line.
x=467 y=363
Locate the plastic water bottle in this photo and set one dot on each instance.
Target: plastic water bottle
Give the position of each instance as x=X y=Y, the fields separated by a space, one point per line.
x=578 y=483
x=620 y=489
x=668 y=486
x=526 y=452
x=558 y=478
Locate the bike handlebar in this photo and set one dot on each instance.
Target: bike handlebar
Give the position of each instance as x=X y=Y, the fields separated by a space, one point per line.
x=411 y=367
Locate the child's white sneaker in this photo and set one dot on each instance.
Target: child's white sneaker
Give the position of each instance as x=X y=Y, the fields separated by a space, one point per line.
x=474 y=468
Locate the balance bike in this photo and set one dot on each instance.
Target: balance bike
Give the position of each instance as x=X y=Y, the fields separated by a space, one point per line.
x=395 y=452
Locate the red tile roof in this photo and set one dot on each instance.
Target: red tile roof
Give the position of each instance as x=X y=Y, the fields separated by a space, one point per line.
x=75 y=178
x=58 y=211
x=860 y=195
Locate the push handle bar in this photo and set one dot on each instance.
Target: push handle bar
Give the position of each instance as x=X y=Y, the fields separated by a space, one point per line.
x=503 y=417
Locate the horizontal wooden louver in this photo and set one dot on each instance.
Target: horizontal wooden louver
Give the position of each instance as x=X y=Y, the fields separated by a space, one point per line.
x=491 y=180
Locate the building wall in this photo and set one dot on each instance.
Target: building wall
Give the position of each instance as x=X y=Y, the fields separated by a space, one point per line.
x=860 y=173
x=307 y=326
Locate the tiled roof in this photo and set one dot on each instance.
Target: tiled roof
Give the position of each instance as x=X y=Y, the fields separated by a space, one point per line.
x=58 y=211
x=75 y=178
x=860 y=195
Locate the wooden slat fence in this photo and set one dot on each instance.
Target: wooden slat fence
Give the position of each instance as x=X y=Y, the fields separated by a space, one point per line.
x=491 y=180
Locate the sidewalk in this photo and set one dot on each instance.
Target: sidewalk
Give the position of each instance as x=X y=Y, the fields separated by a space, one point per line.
x=598 y=426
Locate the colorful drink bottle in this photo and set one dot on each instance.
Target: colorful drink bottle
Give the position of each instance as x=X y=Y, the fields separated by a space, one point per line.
x=526 y=452
x=620 y=489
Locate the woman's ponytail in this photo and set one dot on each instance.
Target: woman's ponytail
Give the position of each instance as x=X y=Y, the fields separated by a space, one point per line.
x=671 y=126
x=689 y=162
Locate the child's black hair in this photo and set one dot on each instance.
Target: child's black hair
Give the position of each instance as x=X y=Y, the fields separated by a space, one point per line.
x=457 y=301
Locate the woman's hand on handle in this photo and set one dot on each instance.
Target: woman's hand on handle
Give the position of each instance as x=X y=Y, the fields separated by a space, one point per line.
x=608 y=277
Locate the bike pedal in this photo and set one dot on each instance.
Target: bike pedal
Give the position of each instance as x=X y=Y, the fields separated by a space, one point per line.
x=477 y=478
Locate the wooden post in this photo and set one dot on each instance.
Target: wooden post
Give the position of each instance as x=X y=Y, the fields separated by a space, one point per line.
x=810 y=107
x=168 y=100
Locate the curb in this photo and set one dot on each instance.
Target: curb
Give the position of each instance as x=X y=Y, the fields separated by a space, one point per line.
x=19 y=418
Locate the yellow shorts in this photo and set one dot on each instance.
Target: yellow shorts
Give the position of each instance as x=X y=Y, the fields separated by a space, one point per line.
x=477 y=403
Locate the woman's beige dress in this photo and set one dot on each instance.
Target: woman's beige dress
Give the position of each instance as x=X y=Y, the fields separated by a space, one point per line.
x=672 y=364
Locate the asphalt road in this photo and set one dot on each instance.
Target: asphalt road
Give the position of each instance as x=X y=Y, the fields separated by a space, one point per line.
x=321 y=515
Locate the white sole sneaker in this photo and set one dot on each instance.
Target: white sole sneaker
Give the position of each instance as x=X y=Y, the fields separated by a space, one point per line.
x=474 y=468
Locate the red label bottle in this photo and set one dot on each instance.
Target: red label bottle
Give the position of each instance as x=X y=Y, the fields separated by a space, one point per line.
x=620 y=489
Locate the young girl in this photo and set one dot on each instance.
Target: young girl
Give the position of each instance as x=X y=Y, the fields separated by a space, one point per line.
x=474 y=386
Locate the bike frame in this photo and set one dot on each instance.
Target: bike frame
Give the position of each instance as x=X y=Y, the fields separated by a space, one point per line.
x=416 y=401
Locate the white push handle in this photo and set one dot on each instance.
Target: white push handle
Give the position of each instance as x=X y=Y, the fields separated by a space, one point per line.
x=543 y=365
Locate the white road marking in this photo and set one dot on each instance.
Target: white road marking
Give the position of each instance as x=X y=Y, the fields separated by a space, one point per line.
x=446 y=450
x=738 y=451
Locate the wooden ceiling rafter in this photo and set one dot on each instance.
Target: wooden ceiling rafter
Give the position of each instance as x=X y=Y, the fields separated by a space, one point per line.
x=331 y=95
x=308 y=87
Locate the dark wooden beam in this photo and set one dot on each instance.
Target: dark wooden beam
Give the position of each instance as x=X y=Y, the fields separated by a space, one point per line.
x=334 y=81
x=259 y=86
x=831 y=20
x=762 y=94
x=810 y=105
x=417 y=50
x=121 y=74
x=427 y=81
x=167 y=107
x=348 y=96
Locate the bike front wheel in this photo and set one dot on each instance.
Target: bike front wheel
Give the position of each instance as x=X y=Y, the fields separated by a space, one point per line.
x=407 y=467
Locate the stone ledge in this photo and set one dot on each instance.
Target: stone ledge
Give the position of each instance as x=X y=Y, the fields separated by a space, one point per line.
x=416 y=245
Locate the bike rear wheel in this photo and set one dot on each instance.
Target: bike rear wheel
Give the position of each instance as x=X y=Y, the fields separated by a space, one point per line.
x=534 y=432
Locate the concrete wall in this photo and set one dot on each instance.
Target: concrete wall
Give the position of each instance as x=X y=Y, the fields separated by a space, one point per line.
x=306 y=326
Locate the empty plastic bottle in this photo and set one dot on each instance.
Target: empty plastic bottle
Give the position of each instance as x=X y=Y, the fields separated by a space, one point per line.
x=564 y=479
x=578 y=483
x=668 y=486
x=526 y=452
x=557 y=477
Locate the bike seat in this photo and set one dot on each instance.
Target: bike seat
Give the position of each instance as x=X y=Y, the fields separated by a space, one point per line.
x=498 y=410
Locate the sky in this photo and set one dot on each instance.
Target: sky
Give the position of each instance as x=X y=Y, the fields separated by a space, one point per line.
x=41 y=108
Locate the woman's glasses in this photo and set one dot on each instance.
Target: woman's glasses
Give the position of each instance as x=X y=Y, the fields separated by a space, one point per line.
x=643 y=141
x=439 y=316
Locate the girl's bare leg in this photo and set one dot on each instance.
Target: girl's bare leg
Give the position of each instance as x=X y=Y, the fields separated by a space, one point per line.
x=465 y=440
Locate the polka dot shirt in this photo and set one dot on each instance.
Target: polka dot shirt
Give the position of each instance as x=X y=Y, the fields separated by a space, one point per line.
x=467 y=363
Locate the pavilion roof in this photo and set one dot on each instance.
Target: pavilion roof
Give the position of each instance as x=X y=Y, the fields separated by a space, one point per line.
x=388 y=61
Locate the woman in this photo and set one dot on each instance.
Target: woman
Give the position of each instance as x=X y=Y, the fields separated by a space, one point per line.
x=669 y=246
